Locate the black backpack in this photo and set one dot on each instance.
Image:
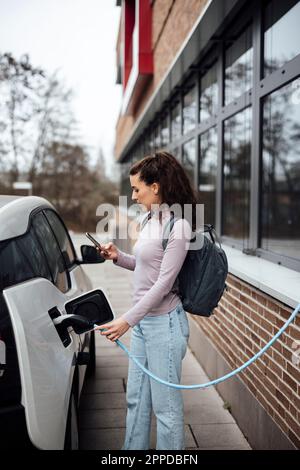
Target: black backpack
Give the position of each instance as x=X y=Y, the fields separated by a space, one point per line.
x=201 y=281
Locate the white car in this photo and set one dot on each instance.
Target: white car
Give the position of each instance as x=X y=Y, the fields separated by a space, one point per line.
x=47 y=310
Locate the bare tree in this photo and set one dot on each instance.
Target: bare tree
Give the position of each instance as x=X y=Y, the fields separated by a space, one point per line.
x=56 y=122
x=73 y=185
x=18 y=82
x=40 y=137
x=35 y=110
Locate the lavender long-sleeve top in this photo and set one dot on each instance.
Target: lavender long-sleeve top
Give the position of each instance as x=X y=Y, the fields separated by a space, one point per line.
x=155 y=270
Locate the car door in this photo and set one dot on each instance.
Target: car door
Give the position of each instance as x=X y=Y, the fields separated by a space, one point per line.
x=79 y=281
x=46 y=359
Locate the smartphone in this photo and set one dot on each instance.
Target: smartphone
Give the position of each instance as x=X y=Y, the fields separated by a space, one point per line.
x=96 y=243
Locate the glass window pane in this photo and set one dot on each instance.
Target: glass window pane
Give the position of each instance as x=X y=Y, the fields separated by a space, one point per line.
x=236 y=175
x=208 y=173
x=280 y=217
x=239 y=66
x=189 y=110
x=62 y=237
x=282 y=33
x=29 y=244
x=140 y=150
x=157 y=138
x=189 y=159
x=176 y=122
x=209 y=94
x=22 y=259
x=52 y=251
x=151 y=137
x=176 y=153
x=165 y=131
x=125 y=188
x=147 y=146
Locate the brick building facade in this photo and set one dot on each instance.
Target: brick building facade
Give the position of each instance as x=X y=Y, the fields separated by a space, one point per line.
x=217 y=83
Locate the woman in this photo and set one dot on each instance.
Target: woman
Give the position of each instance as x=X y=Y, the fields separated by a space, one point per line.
x=160 y=329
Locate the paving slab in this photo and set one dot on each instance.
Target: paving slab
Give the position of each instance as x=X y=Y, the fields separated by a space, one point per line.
x=105 y=352
x=113 y=439
x=103 y=385
x=105 y=418
x=219 y=436
x=95 y=439
x=112 y=361
x=103 y=401
x=111 y=372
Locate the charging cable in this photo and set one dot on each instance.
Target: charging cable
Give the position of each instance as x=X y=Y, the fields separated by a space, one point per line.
x=216 y=381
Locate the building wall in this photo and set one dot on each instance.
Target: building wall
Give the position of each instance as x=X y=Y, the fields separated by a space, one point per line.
x=123 y=130
x=172 y=22
x=245 y=320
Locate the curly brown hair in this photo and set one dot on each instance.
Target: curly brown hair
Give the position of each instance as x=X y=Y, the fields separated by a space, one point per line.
x=175 y=187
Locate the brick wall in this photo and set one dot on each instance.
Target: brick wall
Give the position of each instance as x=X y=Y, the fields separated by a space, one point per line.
x=123 y=129
x=172 y=22
x=245 y=320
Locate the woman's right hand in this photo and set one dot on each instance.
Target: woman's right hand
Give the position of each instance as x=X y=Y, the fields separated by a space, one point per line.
x=109 y=251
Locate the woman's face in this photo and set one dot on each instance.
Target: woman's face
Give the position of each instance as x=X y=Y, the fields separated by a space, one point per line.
x=143 y=193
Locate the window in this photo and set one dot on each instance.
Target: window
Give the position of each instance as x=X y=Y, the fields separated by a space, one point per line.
x=125 y=188
x=176 y=152
x=189 y=159
x=280 y=215
x=208 y=94
x=239 y=66
x=176 y=121
x=189 y=110
x=140 y=149
x=236 y=176
x=22 y=259
x=151 y=139
x=157 y=137
x=282 y=33
x=147 y=145
x=62 y=237
x=51 y=249
x=165 y=131
x=208 y=174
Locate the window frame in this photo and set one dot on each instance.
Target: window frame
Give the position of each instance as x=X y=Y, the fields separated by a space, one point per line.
x=36 y=213
x=75 y=261
x=215 y=129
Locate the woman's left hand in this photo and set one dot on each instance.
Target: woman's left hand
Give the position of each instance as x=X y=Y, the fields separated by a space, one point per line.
x=114 y=329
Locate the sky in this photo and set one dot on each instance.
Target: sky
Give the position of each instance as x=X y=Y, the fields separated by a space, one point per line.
x=78 y=37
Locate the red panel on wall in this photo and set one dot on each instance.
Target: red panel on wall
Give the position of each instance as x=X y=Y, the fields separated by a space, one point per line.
x=145 y=37
x=129 y=21
x=145 y=57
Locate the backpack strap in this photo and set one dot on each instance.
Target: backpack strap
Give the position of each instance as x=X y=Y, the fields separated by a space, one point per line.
x=145 y=220
x=167 y=230
x=211 y=230
x=166 y=233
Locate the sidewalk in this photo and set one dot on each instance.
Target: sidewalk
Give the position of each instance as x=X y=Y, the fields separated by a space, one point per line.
x=208 y=425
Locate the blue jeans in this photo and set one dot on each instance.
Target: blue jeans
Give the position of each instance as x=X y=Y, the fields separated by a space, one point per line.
x=160 y=344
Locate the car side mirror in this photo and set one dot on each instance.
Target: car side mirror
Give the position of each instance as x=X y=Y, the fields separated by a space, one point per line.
x=86 y=311
x=90 y=255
